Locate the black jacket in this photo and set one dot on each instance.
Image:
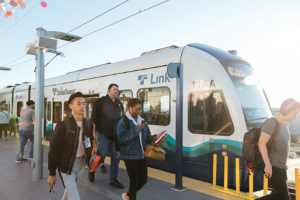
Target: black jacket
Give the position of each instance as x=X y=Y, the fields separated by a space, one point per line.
x=106 y=114
x=63 y=148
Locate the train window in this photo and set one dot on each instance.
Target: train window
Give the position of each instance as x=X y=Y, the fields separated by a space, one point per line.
x=124 y=96
x=49 y=111
x=57 y=108
x=155 y=105
x=208 y=113
x=19 y=107
x=67 y=110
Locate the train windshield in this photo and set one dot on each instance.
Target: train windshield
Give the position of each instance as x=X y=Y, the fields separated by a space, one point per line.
x=250 y=92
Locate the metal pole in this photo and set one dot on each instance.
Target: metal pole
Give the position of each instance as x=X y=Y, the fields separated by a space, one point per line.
x=265 y=185
x=237 y=175
x=251 y=184
x=179 y=108
x=37 y=162
x=215 y=170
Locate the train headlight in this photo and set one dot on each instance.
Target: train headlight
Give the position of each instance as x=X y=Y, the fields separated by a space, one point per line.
x=224 y=146
x=224 y=153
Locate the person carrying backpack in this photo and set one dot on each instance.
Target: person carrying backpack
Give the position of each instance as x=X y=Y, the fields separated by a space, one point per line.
x=275 y=156
x=71 y=148
x=4 y=122
x=107 y=112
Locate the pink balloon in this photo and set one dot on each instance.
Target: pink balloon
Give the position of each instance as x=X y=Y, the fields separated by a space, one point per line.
x=1 y=8
x=19 y=1
x=5 y=15
x=43 y=4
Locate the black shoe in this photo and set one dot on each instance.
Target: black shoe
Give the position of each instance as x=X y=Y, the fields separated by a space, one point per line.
x=92 y=176
x=117 y=184
x=103 y=169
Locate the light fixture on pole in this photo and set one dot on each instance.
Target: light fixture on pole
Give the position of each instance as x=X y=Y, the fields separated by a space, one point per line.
x=5 y=68
x=39 y=47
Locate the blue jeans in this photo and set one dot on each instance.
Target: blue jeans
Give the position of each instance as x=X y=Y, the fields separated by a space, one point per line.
x=24 y=136
x=103 y=146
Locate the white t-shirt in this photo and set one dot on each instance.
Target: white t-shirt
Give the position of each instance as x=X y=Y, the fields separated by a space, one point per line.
x=80 y=150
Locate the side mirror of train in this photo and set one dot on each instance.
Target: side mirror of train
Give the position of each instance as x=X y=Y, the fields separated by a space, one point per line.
x=172 y=70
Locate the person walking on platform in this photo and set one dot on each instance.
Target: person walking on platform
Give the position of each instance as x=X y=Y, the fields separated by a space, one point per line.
x=106 y=113
x=26 y=129
x=275 y=160
x=71 y=148
x=13 y=124
x=4 y=122
x=132 y=146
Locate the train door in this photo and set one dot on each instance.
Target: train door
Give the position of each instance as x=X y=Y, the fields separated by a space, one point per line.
x=57 y=109
x=89 y=100
x=49 y=121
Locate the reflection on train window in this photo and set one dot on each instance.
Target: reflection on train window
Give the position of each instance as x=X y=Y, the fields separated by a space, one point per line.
x=155 y=105
x=57 y=107
x=124 y=96
x=208 y=113
x=89 y=104
x=49 y=111
x=19 y=108
x=67 y=110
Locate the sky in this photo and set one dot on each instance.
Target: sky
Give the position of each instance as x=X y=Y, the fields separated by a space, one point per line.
x=265 y=33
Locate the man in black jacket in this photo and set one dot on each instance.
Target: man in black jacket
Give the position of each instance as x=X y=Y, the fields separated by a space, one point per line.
x=107 y=111
x=71 y=148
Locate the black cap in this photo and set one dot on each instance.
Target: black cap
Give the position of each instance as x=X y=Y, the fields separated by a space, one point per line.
x=30 y=102
x=77 y=94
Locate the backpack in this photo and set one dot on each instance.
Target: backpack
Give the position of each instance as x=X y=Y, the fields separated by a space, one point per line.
x=117 y=143
x=250 y=150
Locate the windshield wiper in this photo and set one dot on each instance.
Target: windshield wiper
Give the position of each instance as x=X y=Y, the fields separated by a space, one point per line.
x=259 y=118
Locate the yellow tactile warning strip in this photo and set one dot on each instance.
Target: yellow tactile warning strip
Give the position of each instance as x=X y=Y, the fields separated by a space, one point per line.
x=189 y=183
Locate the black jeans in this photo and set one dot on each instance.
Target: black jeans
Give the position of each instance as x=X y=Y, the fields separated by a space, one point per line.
x=278 y=183
x=137 y=171
x=3 y=127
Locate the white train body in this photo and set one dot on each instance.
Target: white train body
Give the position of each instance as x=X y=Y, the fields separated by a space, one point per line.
x=218 y=105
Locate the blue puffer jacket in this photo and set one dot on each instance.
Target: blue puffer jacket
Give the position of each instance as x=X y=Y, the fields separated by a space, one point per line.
x=130 y=148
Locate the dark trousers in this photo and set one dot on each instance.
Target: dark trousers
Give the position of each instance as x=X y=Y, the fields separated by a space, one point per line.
x=278 y=183
x=3 y=127
x=137 y=172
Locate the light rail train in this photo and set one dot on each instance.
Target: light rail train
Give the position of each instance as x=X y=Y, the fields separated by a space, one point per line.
x=222 y=99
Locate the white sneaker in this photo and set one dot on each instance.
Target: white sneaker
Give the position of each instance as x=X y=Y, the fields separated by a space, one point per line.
x=20 y=160
x=29 y=158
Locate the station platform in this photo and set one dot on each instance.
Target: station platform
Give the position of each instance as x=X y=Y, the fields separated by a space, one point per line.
x=16 y=181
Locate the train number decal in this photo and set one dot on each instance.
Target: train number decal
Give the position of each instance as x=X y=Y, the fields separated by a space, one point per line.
x=203 y=84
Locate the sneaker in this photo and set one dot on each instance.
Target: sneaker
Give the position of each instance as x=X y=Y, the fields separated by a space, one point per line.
x=91 y=176
x=21 y=160
x=117 y=184
x=29 y=158
x=123 y=196
x=103 y=169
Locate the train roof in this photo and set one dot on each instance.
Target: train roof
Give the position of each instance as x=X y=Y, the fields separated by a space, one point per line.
x=22 y=87
x=219 y=54
x=147 y=61
x=133 y=64
x=6 y=90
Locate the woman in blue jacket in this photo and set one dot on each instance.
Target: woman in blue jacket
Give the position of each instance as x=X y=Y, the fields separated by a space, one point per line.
x=132 y=146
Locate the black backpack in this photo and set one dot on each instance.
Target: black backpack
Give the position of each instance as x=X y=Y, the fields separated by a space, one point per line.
x=250 y=150
x=117 y=143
